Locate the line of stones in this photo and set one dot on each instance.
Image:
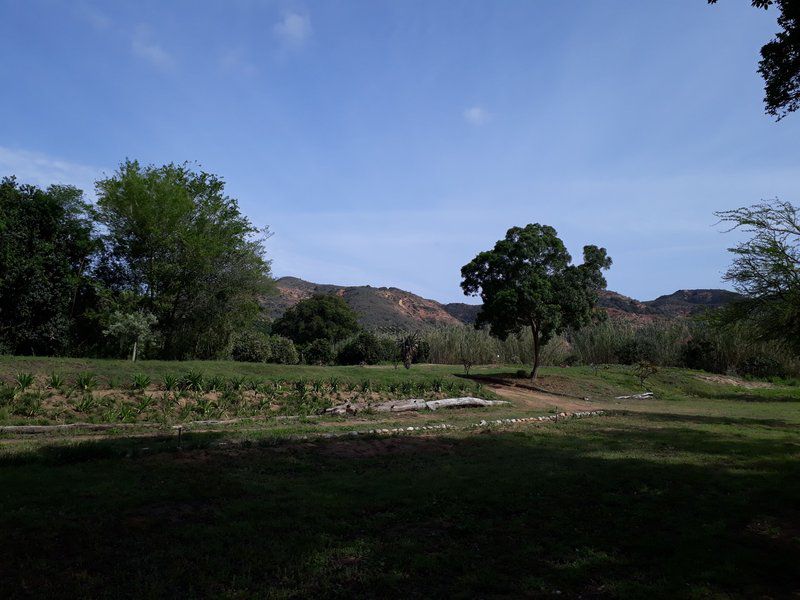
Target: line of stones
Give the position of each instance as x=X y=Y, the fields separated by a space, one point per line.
x=444 y=426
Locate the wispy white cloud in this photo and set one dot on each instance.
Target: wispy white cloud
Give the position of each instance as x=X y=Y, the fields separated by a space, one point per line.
x=235 y=61
x=94 y=17
x=476 y=115
x=293 y=30
x=43 y=170
x=143 y=46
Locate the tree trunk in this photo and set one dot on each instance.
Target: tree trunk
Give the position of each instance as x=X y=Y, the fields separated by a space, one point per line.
x=135 y=343
x=535 y=370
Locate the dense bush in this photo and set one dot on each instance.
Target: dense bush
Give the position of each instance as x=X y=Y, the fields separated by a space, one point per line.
x=320 y=317
x=318 y=352
x=283 y=350
x=251 y=346
x=365 y=348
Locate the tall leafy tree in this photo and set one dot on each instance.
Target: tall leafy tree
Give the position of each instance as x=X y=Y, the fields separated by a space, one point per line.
x=46 y=253
x=320 y=317
x=181 y=246
x=528 y=280
x=766 y=269
x=780 y=59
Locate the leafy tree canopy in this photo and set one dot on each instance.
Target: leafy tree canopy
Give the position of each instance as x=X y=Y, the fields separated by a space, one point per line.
x=321 y=317
x=766 y=269
x=527 y=280
x=780 y=59
x=46 y=248
x=181 y=246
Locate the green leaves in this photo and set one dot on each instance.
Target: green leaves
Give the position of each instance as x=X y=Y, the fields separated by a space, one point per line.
x=320 y=317
x=528 y=280
x=180 y=245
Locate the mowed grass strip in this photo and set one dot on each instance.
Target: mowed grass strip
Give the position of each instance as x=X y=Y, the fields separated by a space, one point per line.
x=649 y=504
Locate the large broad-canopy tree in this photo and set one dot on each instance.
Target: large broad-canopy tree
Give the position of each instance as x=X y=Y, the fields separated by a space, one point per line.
x=528 y=280
x=780 y=59
x=46 y=249
x=320 y=317
x=181 y=248
x=766 y=269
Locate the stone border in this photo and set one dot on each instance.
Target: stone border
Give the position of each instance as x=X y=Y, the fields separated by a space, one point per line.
x=446 y=426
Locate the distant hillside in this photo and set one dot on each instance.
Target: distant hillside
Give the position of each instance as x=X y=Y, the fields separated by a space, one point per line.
x=376 y=307
x=394 y=308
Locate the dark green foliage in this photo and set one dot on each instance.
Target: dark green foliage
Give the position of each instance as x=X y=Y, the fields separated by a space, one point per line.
x=180 y=247
x=318 y=352
x=283 y=351
x=527 y=280
x=320 y=317
x=423 y=353
x=780 y=59
x=46 y=247
x=365 y=348
x=251 y=346
x=766 y=269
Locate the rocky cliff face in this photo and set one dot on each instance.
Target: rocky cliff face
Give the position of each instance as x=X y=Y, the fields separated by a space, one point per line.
x=393 y=308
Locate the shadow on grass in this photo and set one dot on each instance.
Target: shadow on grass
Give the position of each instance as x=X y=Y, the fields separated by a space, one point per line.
x=712 y=420
x=744 y=396
x=574 y=510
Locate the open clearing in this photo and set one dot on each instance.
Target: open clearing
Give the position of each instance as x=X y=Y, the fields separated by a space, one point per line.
x=693 y=494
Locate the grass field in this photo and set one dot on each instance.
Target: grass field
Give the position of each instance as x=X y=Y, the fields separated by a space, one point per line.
x=693 y=494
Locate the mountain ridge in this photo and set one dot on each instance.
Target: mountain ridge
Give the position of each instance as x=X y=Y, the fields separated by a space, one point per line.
x=394 y=308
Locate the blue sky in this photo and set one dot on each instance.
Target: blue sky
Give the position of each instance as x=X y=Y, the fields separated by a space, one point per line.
x=386 y=143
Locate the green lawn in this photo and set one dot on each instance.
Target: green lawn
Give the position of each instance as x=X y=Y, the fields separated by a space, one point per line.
x=695 y=494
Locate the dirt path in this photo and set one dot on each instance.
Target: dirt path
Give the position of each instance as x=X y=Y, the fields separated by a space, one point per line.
x=534 y=400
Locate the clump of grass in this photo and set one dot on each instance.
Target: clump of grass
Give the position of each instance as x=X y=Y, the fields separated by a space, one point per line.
x=23 y=381
x=125 y=413
x=28 y=404
x=144 y=403
x=6 y=394
x=56 y=381
x=170 y=382
x=193 y=380
x=334 y=384
x=215 y=383
x=85 y=404
x=86 y=381
x=140 y=382
x=236 y=383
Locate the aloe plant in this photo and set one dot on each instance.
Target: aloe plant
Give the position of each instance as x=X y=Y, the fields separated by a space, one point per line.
x=55 y=381
x=194 y=381
x=140 y=382
x=23 y=381
x=169 y=382
x=86 y=381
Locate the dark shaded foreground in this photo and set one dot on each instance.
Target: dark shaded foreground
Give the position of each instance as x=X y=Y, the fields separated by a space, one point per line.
x=678 y=507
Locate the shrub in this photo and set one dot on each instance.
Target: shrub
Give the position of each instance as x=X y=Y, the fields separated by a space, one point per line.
x=251 y=346
x=318 y=352
x=365 y=348
x=761 y=365
x=283 y=350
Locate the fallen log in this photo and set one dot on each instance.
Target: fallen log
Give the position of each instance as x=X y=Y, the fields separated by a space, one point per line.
x=415 y=404
x=466 y=402
x=642 y=396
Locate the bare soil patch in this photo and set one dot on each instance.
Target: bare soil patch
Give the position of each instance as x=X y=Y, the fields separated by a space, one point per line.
x=735 y=381
x=536 y=400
